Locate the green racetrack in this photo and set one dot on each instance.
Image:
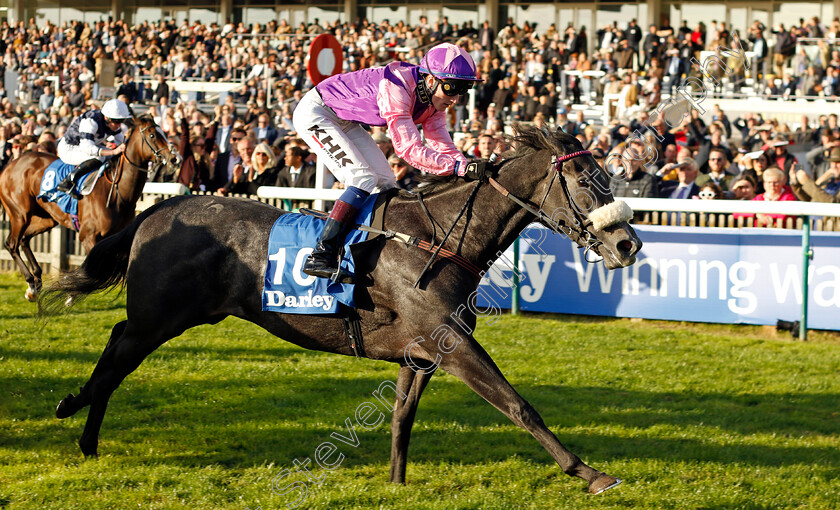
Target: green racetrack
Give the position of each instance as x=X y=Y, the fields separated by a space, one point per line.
x=691 y=416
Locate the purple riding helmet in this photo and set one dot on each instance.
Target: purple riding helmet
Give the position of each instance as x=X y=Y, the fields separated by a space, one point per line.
x=452 y=67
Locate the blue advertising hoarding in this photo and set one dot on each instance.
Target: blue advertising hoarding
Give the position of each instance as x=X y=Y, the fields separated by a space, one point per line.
x=737 y=276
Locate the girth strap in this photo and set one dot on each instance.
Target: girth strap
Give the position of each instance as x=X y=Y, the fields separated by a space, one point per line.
x=353 y=330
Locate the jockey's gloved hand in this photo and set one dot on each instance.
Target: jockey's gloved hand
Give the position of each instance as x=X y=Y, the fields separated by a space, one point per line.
x=481 y=170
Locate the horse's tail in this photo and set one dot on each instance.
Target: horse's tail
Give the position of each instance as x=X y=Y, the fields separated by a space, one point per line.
x=104 y=268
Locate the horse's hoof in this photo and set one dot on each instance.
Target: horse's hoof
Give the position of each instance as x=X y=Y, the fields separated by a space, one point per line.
x=603 y=483
x=31 y=295
x=89 y=450
x=62 y=410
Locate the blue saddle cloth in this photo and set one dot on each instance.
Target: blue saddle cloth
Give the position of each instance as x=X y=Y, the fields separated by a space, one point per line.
x=53 y=175
x=286 y=288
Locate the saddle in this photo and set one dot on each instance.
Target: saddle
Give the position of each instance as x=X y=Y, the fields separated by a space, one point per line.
x=57 y=171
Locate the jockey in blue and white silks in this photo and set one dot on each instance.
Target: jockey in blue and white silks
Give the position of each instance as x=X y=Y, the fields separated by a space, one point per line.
x=83 y=143
x=400 y=96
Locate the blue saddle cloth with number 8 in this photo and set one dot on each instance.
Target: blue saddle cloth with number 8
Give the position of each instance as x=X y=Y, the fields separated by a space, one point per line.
x=286 y=288
x=53 y=175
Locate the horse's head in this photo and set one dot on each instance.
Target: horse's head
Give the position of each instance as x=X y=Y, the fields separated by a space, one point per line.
x=149 y=143
x=573 y=195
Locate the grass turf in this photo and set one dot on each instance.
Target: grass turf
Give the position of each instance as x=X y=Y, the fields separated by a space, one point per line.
x=689 y=415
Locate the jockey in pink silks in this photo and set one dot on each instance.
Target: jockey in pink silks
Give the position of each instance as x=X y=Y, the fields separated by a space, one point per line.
x=400 y=96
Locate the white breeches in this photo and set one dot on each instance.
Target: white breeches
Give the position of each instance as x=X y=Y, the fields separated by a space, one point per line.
x=343 y=146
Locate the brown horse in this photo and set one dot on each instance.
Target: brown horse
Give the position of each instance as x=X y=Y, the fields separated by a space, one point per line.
x=107 y=210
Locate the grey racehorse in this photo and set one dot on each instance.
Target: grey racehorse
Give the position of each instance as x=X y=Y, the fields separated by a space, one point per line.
x=196 y=260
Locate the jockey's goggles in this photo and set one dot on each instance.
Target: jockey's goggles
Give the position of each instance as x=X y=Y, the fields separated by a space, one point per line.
x=455 y=87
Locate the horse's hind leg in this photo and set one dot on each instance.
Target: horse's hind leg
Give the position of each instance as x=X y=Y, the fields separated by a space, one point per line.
x=71 y=404
x=410 y=383
x=126 y=349
x=471 y=363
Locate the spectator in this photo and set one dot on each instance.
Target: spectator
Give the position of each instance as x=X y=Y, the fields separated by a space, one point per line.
x=779 y=155
x=744 y=187
x=406 y=176
x=224 y=132
x=823 y=189
x=46 y=100
x=263 y=131
x=720 y=172
x=715 y=142
x=760 y=163
x=776 y=191
x=669 y=156
x=486 y=146
x=818 y=156
x=383 y=142
x=76 y=99
x=784 y=50
x=239 y=182
x=264 y=171
x=710 y=191
x=296 y=173
x=197 y=165
x=636 y=182
x=684 y=186
x=128 y=89
x=651 y=45
x=161 y=89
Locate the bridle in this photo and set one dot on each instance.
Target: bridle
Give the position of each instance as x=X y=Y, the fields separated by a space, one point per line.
x=582 y=235
x=157 y=162
x=158 y=159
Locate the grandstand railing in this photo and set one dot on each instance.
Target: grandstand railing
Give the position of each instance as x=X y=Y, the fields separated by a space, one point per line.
x=60 y=249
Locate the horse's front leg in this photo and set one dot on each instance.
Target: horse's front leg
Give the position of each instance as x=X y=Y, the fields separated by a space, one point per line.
x=412 y=384
x=13 y=244
x=471 y=363
x=35 y=285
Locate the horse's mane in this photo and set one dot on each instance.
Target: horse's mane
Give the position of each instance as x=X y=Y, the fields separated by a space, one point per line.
x=526 y=140
x=529 y=139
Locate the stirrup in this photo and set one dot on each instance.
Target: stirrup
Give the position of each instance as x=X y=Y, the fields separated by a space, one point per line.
x=339 y=276
x=65 y=186
x=343 y=276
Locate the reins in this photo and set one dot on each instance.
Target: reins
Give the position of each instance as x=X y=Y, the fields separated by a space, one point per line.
x=469 y=201
x=156 y=152
x=438 y=250
x=589 y=240
x=118 y=168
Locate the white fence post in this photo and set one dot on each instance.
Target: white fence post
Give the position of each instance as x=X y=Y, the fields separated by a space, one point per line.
x=58 y=256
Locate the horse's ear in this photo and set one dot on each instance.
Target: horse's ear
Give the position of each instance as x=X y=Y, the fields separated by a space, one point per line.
x=130 y=122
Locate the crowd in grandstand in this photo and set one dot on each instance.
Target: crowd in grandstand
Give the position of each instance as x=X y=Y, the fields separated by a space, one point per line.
x=249 y=140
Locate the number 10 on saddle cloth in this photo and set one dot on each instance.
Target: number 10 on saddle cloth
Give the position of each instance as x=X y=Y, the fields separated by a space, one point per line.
x=286 y=288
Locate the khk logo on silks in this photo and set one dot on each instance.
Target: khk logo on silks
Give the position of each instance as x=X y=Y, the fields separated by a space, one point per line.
x=326 y=141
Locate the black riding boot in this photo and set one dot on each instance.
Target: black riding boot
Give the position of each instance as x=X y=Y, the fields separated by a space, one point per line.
x=69 y=182
x=323 y=261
